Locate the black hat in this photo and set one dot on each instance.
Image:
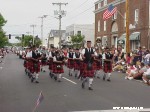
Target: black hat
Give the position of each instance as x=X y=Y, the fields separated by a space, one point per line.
x=88 y=41
x=77 y=49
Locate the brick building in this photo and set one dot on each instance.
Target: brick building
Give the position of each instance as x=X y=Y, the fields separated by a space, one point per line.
x=112 y=32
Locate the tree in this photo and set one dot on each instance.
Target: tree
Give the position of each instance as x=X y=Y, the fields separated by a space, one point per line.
x=3 y=38
x=77 y=40
x=28 y=40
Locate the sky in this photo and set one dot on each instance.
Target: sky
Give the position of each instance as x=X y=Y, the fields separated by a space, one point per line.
x=21 y=14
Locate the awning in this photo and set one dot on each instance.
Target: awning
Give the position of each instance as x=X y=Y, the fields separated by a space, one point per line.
x=121 y=40
x=135 y=36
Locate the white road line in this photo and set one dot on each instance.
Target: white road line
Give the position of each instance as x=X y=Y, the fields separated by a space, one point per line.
x=1 y=67
x=142 y=110
x=69 y=80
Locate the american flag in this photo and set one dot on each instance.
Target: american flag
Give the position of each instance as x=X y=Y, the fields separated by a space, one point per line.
x=109 y=12
x=40 y=99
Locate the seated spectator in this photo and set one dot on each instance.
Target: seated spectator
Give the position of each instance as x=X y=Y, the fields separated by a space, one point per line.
x=147 y=57
x=146 y=75
x=131 y=69
x=119 y=66
x=139 y=74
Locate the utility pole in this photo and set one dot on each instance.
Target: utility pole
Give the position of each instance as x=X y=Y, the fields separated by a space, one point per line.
x=42 y=19
x=33 y=26
x=60 y=14
x=127 y=28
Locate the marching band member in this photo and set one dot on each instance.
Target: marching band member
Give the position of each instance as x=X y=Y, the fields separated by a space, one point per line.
x=70 y=61
x=58 y=66
x=88 y=56
x=35 y=65
x=107 y=57
x=77 y=58
x=98 y=63
x=51 y=56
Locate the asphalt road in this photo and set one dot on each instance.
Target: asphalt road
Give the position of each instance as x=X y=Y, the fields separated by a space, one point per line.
x=18 y=94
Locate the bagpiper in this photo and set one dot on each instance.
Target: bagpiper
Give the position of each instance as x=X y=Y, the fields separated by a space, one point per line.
x=77 y=62
x=58 y=66
x=50 y=62
x=35 y=65
x=107 y=67
x=88 y=55
x=98 y=62
x=70 y=61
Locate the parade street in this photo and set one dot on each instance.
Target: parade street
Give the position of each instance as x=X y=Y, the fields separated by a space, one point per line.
x=18 y=94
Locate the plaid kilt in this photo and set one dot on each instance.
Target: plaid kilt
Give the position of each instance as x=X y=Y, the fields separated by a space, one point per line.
x=25 y=63
x=97 y=65
x=81 y=67
x=87 y=73
x=50 y=63
x=77 y=64
x=70 y=63
x=107 y=67
x=55 y=70
x=34 y=67
x=43 y=63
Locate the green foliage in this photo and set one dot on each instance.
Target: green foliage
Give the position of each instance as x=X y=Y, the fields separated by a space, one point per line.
x=77 y=40
x=27 y=41
x=3 y=38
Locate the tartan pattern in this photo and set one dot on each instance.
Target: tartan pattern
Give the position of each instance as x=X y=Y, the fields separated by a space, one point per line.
x=77 y=66
x=87 y=73
x=107 y=67
x=50 y=63
x=70 y=65
x=97 y=65
x=55 y=70
x=33 y=69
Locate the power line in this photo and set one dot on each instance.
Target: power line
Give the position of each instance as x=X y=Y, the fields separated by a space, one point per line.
x=79 y=6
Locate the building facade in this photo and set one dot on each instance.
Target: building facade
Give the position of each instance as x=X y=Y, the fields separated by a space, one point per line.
x=83 y=29
x=112 y=32
x=53 y=39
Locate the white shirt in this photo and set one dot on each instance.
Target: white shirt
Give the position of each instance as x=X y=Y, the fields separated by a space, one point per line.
x=29 y=54
x=147 y=57
x=147 y=72
x=103 y=56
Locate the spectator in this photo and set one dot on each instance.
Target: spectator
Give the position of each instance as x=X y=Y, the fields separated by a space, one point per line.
x=139 y=74
x=146 y=75
x=147 y=58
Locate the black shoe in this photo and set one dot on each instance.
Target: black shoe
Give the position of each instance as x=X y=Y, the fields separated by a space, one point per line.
x=59 y=81
x=36 y=81
x=51 y=75
x=32 y=79
x=75 y=75
x=41 y=69
x=90 y=88
x=108 y=80
x=104 y=77
x=83 y=85
x=55 y=78
x=98 y=77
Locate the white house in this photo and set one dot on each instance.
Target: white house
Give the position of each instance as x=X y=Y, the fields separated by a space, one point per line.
x=84 y=29
x=53 y=39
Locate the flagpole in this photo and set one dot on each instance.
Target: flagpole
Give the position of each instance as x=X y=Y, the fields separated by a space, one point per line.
x=127 y=28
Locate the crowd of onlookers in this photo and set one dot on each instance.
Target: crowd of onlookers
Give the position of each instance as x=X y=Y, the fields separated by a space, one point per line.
x=3 y=52
x=135 y=64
